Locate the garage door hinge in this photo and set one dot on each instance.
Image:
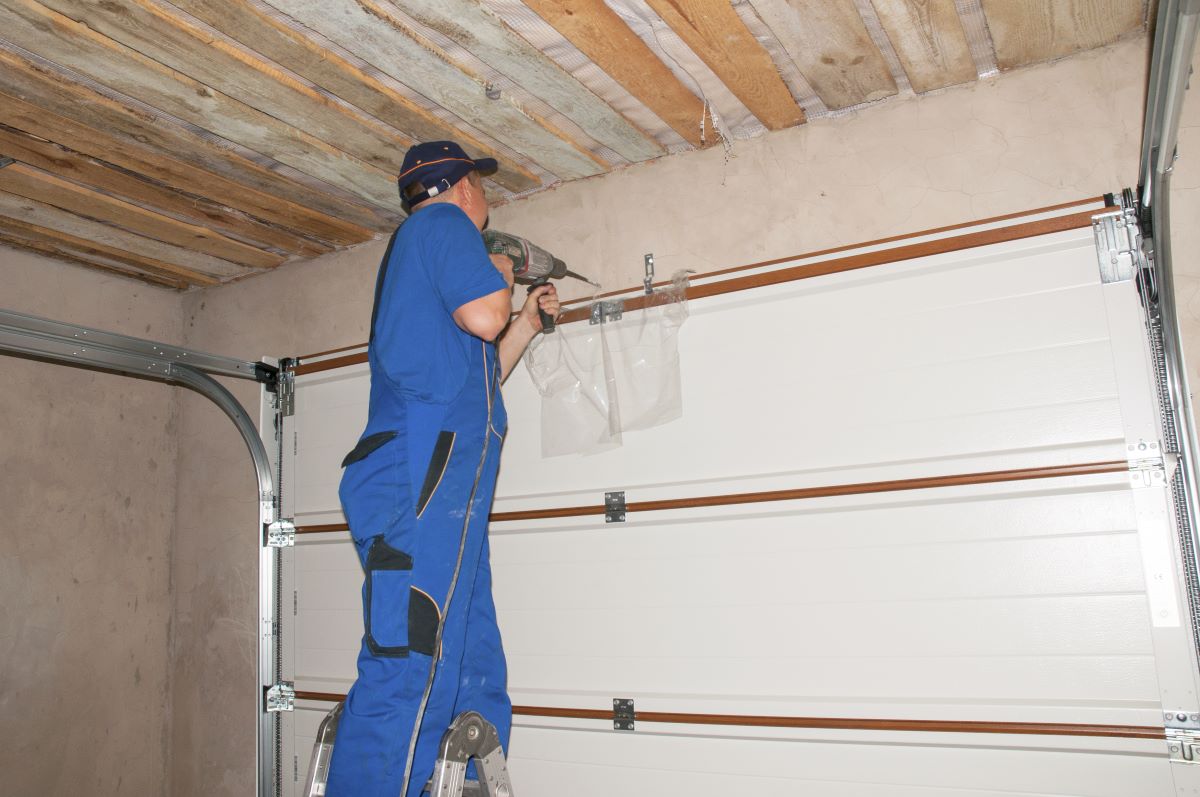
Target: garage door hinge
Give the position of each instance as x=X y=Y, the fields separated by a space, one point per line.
x=1183 y=746
x=286 y=395
x=280 y=697
x=1118 y=244
x=614 y=507
x=622 y=714
x=1146 y=467
x=281 y=534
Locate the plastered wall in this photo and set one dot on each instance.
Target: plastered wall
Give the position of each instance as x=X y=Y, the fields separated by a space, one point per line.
x=1037 y=137
x=87 y=510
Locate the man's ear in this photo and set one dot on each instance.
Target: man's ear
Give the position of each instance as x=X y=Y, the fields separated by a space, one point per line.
x=464 y=187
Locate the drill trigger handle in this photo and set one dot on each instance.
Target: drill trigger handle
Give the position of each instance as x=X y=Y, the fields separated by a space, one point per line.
x=547 y=319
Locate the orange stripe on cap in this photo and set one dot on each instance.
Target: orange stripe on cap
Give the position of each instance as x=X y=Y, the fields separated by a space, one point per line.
x=431 y=163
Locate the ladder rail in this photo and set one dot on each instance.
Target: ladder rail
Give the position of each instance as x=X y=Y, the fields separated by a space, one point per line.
x=469 y=737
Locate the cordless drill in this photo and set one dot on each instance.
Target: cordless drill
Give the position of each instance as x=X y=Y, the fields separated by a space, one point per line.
x=532 y=265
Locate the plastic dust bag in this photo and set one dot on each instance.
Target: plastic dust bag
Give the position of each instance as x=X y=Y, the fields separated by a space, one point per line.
x=600 y=380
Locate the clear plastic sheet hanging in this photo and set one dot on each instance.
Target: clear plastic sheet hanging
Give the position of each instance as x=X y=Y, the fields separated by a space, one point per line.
x=598 y=381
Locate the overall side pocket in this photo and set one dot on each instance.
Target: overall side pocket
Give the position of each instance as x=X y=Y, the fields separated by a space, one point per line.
x=386 y=599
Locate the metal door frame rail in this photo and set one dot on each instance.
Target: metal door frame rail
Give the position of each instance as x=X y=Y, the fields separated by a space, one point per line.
x=83 y=347
x=1170 y=68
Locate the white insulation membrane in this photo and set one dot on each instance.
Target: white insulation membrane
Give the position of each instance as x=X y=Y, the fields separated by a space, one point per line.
x=598 y=381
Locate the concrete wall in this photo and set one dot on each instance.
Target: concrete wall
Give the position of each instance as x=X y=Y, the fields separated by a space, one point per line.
x=1044 y=135
x=303 y=308
x=87 y=508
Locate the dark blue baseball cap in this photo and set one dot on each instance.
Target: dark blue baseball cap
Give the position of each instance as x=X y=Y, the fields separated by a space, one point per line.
x=433 y=167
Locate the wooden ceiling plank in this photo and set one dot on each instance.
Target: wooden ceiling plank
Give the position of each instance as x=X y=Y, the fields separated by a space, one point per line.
x=715 y=33
x=486 y=37
x=172 y=40
x=33 y=183
x=831 y=47
x=59 y=253
x=74 y=45
x=187 y=264
x=601 y=35
x=368 y=29
x=92 y=249
x=67 y=163
x=1029 y=31
x=268 y=36
x=929 y=39
x=76 y=116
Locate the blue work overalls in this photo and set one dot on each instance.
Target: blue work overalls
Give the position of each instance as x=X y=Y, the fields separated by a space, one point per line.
x=419 y=517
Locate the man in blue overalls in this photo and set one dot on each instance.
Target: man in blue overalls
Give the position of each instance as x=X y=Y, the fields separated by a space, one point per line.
x=418 y=487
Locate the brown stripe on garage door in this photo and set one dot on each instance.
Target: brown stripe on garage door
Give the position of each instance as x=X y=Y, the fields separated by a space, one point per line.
x=801 y=493
x=827 y=723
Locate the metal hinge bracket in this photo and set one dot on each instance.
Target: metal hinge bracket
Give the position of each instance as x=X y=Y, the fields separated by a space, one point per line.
x=1118 y=244
x=280 y=697
x=607 y=311
x=614 y=507
x=622 y=714
x=286 y=393
x=1146 y=467
x=281 y=534
x=1183 y=746
x=649 y=281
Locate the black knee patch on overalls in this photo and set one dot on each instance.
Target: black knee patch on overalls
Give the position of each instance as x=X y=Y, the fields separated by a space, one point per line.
x=388 y=584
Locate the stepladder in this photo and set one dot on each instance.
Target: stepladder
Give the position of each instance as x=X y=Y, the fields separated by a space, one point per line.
x=469 y=738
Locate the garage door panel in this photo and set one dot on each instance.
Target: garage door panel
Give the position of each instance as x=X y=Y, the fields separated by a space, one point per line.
x=1073 y=566
x=657 y=763
x=1097 y=689
x=960 y=381
x=992 y=601
x=1112 y=625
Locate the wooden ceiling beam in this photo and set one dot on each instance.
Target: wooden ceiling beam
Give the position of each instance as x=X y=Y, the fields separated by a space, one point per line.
x=929 y=40
x=831 y=47
x=714 y=32
x=90 y=249
x=153 y=31
x=59 y=253
x=64 y=162
x=601 y=35
x=273 y=39
x=32 y=183
x=74 y=45
x=487 y=38
x=1029 y=31
x=78 y=117
x=368 y=29
x=182 y=262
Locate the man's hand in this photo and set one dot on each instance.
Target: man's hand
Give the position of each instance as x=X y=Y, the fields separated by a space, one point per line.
x=545 y=297
x=504 y=265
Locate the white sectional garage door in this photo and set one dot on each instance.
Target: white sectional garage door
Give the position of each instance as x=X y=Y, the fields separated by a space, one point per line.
x=900 y=552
